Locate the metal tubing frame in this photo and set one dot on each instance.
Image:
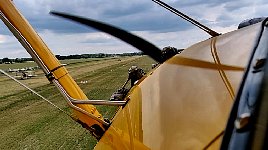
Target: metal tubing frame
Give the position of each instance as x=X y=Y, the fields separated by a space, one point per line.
x=99 y=102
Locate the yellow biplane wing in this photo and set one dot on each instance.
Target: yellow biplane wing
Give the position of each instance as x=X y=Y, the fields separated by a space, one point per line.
x=185 y=103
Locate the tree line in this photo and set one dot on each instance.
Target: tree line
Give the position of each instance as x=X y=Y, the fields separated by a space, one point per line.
x=7 y=60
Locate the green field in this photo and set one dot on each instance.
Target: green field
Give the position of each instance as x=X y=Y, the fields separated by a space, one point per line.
x=27 y=122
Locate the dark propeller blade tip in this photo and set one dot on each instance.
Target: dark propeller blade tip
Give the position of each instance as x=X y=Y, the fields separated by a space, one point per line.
x=55 y=13
x=125 y=36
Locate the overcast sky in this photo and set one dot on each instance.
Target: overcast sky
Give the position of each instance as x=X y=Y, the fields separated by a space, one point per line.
x=141 y=17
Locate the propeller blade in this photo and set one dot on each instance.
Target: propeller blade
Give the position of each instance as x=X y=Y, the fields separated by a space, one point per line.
x=129 y=38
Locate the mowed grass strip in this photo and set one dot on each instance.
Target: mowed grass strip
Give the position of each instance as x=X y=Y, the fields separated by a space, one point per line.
x=27 y=122
x=75 y=68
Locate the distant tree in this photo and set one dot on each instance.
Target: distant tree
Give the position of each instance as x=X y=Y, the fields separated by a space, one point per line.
x=57 y=56
x=6 y=60
x=100 y=55
x=18 y=60
x=27 y=59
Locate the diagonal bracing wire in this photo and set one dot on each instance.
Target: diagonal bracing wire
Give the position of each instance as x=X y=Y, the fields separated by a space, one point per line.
x=187 y=18
x=25 y=86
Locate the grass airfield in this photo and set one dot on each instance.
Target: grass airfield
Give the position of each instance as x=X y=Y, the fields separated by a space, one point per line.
x=28 y=122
